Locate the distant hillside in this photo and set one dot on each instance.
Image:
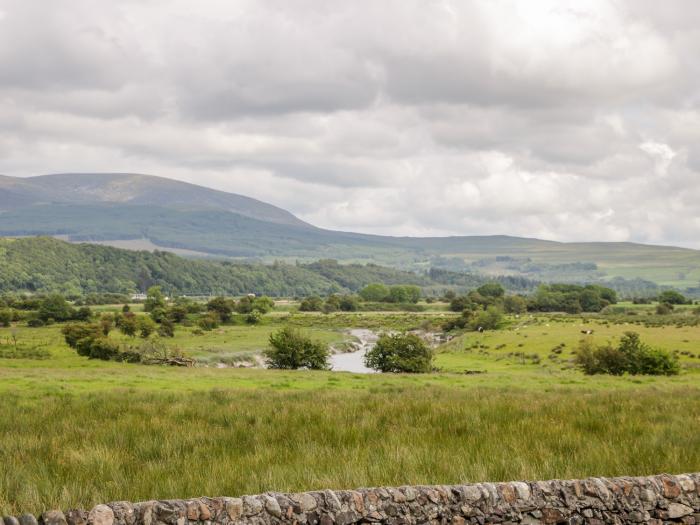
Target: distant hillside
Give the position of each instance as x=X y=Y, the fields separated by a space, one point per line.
x=45 y=264
x=134 y=211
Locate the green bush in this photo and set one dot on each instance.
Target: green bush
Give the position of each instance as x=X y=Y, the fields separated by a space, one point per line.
x=311 y=304
x=254 y=317
x=400 y=353
x=291 y=349
x=56 y=308
x=208 y=321
x=146 y=326
x=664 y=308
x=631 y=356
x=223 y=307
x=6 y=316
x=166 y=328
x=75 y=332
x=263 y=304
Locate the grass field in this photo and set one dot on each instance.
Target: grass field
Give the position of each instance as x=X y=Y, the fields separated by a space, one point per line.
x=75 y=432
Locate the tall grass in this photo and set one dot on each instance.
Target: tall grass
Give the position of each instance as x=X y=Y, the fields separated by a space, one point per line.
x=60 y=451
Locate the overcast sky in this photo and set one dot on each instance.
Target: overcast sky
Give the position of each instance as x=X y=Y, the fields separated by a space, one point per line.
x=561 y=120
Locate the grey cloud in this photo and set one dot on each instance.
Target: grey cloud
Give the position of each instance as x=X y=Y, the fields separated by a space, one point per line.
x=400 y=117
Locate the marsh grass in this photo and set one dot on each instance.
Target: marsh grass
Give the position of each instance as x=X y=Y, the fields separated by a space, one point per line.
x=65 y=450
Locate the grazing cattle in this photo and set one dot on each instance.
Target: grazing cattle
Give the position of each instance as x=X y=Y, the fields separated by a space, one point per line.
x=480 y=329
x=587 y=332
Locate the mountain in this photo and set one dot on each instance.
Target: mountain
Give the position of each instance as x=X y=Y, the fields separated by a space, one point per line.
x=147 y=212
x=128 y=189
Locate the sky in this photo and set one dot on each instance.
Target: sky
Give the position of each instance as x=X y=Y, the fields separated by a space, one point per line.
x=553 y=119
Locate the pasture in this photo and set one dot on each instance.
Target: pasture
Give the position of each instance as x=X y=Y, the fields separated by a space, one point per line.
x=75 y=431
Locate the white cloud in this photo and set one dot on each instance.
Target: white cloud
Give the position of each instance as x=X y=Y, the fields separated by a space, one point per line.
x=571 y=120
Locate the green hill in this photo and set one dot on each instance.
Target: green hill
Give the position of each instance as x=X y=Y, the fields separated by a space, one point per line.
x=134 y=211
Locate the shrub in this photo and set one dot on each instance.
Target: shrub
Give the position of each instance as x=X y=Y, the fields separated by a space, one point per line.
x=253 y=317
x=208 y=321
x=311 y=304
x=223 y=307
x=375 y=292
x=102 y=348
x=291 y=349
x=349 y=303
x=55 y=307
x=404 y=294
x=672 y=297
x=127 y=323
x=6 y=317
x=166 y=328
x=154 y=299
x=263 y=304
x=146 y=326
x=664 y=308
x=332 y=304
x=489 y=319
x=74 y=332
x=400 y=353
x=631 y=356
x=515 y=304
x=83 y=314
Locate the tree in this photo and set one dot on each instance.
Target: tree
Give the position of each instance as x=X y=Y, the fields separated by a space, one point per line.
x=332 y=304
x=83 y=314
x=493 y=290
x=311 y=304
x=208 y=321
x=664 y=308
x=106 y=323
x=154 y=299
x=245 y=305
x=515 y=304
x=253 y=317
x=177 y=313
x=489 y=319
x=146 y=326
x=349 y=303
x=56 y=308
x=263 y=304
x=166 y=328
x=6 y=316
x=375 y=292
x=672 y=297
x=400 y=353
x=127 y=323
x=223 y=308
x=291 y=349
x=461 y=303
x=404 y=294
x=631 y=356
x=74 y=332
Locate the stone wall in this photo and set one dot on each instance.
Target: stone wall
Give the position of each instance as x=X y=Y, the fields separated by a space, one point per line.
x=657 y=499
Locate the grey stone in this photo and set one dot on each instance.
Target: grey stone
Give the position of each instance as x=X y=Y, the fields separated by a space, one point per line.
x=27 y=519
x=678 y=510
x=101 y=515
x=272 y=506
x=10 y=520
x=53 y=517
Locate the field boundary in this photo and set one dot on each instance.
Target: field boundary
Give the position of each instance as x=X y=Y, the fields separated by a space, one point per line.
x=654 y=499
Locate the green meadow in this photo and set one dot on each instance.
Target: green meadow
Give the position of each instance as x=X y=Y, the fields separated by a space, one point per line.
x=503 y=404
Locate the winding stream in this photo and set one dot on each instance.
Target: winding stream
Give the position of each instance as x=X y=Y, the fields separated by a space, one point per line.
x=355 y=361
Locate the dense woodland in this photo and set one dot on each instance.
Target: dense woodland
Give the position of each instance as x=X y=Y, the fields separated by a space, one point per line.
x=45 y=265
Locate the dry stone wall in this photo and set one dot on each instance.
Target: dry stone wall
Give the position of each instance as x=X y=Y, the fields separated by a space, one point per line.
x=657 y=500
